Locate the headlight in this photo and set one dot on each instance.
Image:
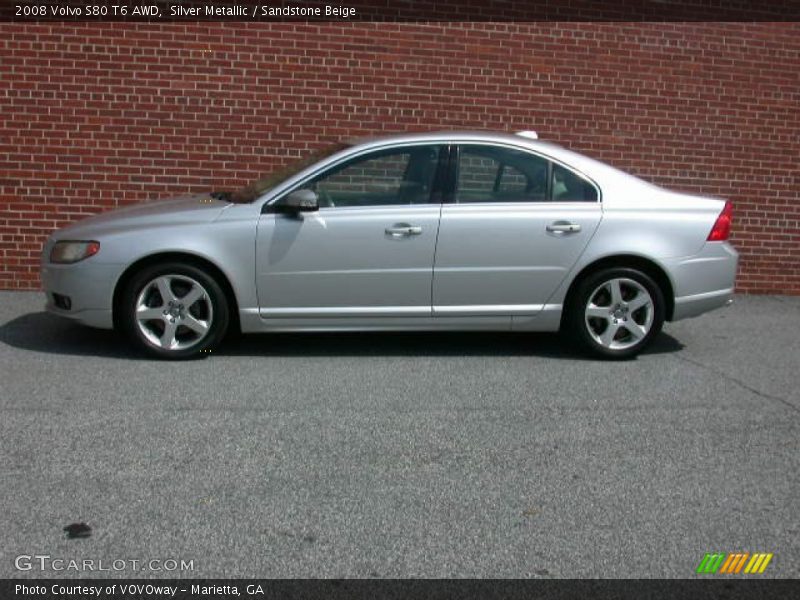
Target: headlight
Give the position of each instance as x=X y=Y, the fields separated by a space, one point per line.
x=71 y=252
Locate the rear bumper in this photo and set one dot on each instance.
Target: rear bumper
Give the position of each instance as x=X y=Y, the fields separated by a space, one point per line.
x=691 y=306
x=705 y=281
x=89 y=286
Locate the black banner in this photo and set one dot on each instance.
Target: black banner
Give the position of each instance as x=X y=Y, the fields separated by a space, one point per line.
x=360 y=589
x=157 y=11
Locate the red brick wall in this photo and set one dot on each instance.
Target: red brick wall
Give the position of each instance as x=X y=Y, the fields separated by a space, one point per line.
x=96 y=115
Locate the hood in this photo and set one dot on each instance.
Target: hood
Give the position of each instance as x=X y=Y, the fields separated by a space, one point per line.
x=190 y=208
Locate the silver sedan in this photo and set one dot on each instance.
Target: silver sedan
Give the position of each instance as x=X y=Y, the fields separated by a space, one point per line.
x=436 y=231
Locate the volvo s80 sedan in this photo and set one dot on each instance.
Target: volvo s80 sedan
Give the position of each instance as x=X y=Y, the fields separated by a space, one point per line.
x=434 y=231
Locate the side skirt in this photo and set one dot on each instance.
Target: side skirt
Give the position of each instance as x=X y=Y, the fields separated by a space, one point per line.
x=545 y=320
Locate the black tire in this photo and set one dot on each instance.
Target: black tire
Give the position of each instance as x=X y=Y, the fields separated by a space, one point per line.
x=210 y=309
x=587 y=331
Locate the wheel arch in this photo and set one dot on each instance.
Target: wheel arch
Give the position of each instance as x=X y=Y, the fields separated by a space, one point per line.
x=646 y=265
x=184 y=257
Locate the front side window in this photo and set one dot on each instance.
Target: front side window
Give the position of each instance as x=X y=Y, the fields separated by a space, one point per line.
x=494 y=174
x=383 y=178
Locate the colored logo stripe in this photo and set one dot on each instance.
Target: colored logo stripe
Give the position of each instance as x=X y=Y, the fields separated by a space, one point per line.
x=710 y=563
x=733 y=563
x=758 y=563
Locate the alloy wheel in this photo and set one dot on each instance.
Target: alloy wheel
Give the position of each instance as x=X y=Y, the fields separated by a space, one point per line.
x=174 y=312
x=619 y=313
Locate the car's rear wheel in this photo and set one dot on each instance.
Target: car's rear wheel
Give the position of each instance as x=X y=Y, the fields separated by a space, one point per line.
x=174 y=311
x=616 y=313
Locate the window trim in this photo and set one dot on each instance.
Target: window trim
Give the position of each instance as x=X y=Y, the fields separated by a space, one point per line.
x=455 y=154
x=438 y=177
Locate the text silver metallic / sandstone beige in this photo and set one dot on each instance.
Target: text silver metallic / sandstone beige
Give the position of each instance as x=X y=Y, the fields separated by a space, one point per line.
x=435 y=231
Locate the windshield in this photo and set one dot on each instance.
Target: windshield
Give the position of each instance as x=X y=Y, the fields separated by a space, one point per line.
x=257 y=188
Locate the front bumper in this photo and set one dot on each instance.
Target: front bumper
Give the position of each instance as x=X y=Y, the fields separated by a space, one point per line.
x=705 y=281
x=88 y=285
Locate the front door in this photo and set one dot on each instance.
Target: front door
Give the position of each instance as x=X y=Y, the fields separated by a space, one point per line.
x=369 y=249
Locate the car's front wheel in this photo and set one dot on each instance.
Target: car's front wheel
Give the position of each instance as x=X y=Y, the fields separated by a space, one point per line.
x=616 y=313
x=174 y=311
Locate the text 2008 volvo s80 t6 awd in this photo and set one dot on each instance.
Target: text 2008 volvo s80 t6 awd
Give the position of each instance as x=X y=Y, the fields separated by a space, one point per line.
x=437 y=231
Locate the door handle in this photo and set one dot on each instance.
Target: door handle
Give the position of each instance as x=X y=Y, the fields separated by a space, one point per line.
x=563 y=227
x=403 y=230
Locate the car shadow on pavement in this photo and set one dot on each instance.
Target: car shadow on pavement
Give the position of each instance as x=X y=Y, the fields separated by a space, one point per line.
x=42 y=332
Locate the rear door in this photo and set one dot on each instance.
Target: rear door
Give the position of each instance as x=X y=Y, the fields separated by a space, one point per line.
x=515 y=225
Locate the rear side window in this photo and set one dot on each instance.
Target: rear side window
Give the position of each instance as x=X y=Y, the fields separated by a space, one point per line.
x=569 y=187
x=493 y=174
x=497 y=174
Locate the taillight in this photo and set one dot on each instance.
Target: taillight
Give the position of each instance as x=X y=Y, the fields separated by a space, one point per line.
x=722 y=226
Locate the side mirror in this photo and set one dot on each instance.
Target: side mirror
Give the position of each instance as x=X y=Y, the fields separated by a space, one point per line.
x=299 y=201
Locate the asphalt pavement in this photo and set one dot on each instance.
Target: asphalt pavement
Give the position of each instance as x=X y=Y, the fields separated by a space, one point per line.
x=400 y=455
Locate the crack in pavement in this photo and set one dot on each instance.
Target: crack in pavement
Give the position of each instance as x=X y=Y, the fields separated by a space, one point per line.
x=738 y=382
